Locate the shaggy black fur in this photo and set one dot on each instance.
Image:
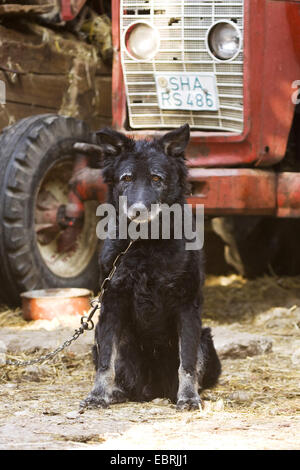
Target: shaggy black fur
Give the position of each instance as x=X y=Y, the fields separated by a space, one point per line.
x=149 y=341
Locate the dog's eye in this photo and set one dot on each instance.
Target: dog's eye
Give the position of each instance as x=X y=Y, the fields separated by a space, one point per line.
x=155 y=178
x=126 y=178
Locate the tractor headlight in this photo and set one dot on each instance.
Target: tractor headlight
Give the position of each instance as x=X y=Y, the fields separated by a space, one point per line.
x=141 y=41
x=224 y=40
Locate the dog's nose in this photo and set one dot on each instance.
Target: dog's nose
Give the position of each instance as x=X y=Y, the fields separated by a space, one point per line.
x=138 y=211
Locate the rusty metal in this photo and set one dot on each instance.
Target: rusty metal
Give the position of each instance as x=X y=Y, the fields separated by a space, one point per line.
x=64 y=222
x=118 y=90
x=47 y=304
x=271 y=64
x=46 y=217
x=86 y=184
x=246 y=191
x=69 y=9
x=234 y=191
x=288 y=195
x=221 y=190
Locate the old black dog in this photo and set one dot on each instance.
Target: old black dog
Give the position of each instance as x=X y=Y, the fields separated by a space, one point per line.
x=149 y=340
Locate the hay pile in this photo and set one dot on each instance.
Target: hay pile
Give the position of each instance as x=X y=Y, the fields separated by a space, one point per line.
x=267 y=384
x=233 y=298
x=10 y=317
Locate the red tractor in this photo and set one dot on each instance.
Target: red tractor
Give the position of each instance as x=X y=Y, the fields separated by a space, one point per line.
x=231 y=69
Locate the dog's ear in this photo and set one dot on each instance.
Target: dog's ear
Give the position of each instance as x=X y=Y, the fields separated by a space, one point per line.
x=175 y=142
x=107 y=143
x=111 y=142
x=89 y=149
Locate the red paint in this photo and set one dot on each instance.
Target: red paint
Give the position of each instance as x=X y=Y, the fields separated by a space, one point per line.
x=118 y=92
x=86 y=184
x=234 y=191
x=221 y=190
x=288 y=195
x=69 y=9
x=216 y=160
x=271 y=51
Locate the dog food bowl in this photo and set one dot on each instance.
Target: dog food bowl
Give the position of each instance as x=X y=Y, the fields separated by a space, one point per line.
x=47 y=304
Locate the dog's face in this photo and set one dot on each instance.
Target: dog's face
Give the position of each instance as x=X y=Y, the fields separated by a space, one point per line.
x=147 y=173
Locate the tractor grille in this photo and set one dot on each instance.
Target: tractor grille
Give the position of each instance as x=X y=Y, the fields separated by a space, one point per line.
x=183 y=26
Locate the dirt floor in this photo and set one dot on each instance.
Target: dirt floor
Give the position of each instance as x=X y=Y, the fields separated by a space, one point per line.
x=255 y=406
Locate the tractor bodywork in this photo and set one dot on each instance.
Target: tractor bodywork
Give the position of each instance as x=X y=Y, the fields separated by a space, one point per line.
x=270 y=69
x=231 y=172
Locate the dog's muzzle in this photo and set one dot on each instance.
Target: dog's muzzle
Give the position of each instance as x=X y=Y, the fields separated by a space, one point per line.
x=139 y=213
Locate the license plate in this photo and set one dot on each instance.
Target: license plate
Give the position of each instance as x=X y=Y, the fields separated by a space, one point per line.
x=188 y=91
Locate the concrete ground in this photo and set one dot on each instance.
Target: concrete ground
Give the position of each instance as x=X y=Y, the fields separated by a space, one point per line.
x=256 y=325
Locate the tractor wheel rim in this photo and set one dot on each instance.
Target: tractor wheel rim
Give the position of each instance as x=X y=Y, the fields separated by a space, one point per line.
x=55 y=186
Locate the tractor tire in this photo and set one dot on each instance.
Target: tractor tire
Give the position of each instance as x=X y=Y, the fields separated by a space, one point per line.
x=36 y=155
x=255 y=246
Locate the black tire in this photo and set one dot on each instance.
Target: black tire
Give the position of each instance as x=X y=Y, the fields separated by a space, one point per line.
x=28 y=149
x=260 y=245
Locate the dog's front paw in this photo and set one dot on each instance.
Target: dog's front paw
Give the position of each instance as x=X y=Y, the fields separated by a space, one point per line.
x=189 y=403
x=102 y=400
x=94 y=400
x=118 y=396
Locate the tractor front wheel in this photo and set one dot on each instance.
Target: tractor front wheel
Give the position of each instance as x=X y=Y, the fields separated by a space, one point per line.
x=36 y=162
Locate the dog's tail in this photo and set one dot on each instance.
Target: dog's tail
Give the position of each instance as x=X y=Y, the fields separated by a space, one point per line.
x=211 y=360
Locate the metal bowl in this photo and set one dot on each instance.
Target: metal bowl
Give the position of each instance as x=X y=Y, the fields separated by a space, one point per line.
x=47 y=304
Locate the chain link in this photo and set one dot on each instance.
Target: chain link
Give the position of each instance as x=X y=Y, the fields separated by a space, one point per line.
x=86 y=320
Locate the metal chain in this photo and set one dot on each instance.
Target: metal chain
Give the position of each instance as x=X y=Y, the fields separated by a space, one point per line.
x=86 y=320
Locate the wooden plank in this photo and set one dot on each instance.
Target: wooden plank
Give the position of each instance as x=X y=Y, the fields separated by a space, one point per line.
x=30 y=48
x=12 y=112
x=49 y=90
x=104 y=96
x=34 y=89
x=98 y=122
x=53 y=93
x=80 y=94
x=88 y=102
x=17 y=9
x=27 y=52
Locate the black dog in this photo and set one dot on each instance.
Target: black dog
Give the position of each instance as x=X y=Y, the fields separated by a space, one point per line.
x=149 y=339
